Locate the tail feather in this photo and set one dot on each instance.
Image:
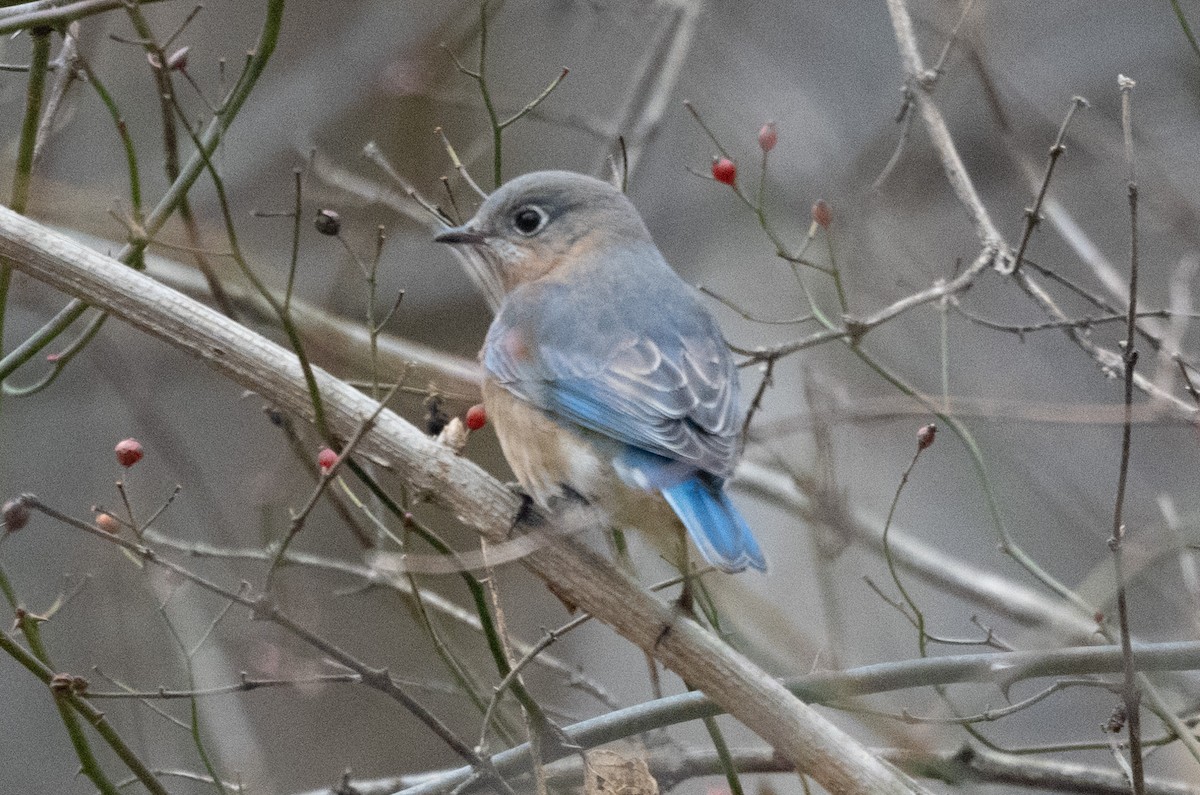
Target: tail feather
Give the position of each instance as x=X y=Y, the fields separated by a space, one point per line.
x=713 y=522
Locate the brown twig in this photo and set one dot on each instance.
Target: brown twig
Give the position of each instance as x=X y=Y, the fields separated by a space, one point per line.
x=1033 y=214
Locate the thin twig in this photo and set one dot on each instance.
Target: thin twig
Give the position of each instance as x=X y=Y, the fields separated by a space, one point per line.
x=1130 y=691
x=458 y=164
x=638 y=120
x=327 y=476
x=263 y=609
x=1033 y=215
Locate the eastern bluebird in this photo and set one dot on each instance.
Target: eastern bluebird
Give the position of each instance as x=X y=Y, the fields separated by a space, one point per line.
x=606 y=379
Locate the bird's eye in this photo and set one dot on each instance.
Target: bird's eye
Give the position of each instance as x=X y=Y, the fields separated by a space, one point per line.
x=530 y=219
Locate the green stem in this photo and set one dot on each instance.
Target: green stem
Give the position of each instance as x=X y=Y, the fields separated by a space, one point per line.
x=131 y=161
x=493 y=116
x=918 y=616
x=212 y=137
x=723 y=756
x=1187 y=29
x=457 y=669
x=478 y=595
x=285 y=317
x=38 y=67
x=93 y=715
x=194 y=708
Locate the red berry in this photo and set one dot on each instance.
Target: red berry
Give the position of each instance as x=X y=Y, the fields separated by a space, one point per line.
x=129 y=452
x=768 y=136
x=476 y=417
x=821 y=214
x=326 y=459
x=926 y=435
x=724 y=171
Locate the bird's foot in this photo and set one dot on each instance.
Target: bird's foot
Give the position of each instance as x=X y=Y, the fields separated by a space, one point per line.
x=527 y=514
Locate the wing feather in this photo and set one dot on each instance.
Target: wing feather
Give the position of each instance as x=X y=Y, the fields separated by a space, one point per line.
x=664 y=383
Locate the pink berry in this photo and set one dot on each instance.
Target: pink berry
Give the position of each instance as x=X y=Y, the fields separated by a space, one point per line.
x=768 y=136
x=108 y=523
x=476 y=417
x=821 y=214
x=724 y=171
x=129 y=452
x=326 y=459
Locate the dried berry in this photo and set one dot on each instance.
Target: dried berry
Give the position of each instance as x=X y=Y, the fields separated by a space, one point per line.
x=328 y=222
x=15 y=514
x=926 y=435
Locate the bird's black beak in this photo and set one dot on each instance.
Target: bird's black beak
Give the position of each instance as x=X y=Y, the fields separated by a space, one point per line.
x=460 y=234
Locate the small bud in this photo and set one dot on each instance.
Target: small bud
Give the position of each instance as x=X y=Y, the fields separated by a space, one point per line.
x=476 y=417
x=926 y=435
x=53 y=357
x=178 y=60
x=129 y=452
x=724 y=171
x=326 y=459
x=328 y=222
x=15 y=514
x=1116 y=721
x=62 y=683
x=768 y=136
x=454 y=435
x=821 y=214
x=108 y=523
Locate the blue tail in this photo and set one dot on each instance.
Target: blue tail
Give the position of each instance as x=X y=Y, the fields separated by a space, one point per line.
x=714 y=524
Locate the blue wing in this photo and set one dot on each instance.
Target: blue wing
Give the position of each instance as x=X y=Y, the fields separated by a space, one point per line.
x=631 y=355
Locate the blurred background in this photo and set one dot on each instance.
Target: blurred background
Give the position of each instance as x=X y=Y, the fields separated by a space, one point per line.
x=346 y=74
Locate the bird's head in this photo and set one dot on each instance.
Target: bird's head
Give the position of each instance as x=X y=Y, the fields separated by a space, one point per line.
x=539 y=223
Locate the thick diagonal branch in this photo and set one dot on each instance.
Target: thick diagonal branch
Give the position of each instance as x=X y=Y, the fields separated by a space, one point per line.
x=581 y=576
